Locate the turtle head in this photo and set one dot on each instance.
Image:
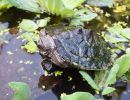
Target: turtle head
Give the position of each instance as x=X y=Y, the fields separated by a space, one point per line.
x=46 y=42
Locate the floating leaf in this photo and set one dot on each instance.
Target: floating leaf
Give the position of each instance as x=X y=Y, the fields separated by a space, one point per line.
x=127 y=3
x=22 y=90
x=115 y=33
x=124 y=64
x=58 y=73
x=112 y=75
x=83 y=15
x=31 y=47
x=88 y=17
x=120 y=46
x=120 y=9
x=78 y=96
x=71 y=4
x=30 y=5
x=108 y=90
x=67 y=13
x=127 y=75
x=28 y=25
x=115 y=29
x=112 y=39
x=126 y=33
x=43 y=22
x=100 y=77
x=128 y=50
x=4 y=5
x=89 y=80
x=52 y=6
x=76 y=22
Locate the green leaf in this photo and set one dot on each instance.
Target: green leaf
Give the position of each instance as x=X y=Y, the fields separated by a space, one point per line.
x=112 y=75
x=83 y=15
x=124 y=64
x=52 y=6
x=112 y=39
x=71 y=4
x=31 y=47
x=76 y=22
x=43 y=22
x=101 y=3
x=115 y=33
x=30 y=5
x=126 y=33
x=78 y=96
x=28 y=25
x=4 y=5
x=89 y=80
x=67 y=13
x=30 y=36
x=100 y=77
x=127 y=75
x=128 y=50
x=22 y=90
x=88 y=17
x=120 y=46
x=58 y=73
x=108 y=90
x=115 y=29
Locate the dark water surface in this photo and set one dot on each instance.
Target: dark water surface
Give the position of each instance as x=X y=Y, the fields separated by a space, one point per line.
x=18 y=65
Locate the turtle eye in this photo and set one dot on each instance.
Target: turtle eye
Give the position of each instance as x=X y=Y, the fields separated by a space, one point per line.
x=80 y=31
x=43 y=32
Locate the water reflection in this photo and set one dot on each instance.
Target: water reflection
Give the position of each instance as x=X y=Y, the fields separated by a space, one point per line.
x=13 y=16
x=30 y=74
x=14 y=67
x=63 y=84
x=70 y=81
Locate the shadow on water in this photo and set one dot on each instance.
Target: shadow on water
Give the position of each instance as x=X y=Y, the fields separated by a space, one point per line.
x=17 y=65
x=14 y=16
x=63 y=84
x=68 y=82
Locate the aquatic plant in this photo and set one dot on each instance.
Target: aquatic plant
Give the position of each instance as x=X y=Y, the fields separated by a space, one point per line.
x=107 y=17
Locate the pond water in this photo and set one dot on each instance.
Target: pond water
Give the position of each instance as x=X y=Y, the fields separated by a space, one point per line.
x=18 y=65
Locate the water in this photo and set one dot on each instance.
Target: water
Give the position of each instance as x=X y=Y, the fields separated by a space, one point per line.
x=18 y=65
x=14 y=67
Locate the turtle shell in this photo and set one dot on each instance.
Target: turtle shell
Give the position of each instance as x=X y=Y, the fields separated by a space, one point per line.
x=79 y=48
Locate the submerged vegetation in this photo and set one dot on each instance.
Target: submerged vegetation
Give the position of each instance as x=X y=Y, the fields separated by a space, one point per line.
x=109 y=18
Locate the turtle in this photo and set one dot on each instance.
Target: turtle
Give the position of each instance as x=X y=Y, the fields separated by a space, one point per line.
x=73 y=47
